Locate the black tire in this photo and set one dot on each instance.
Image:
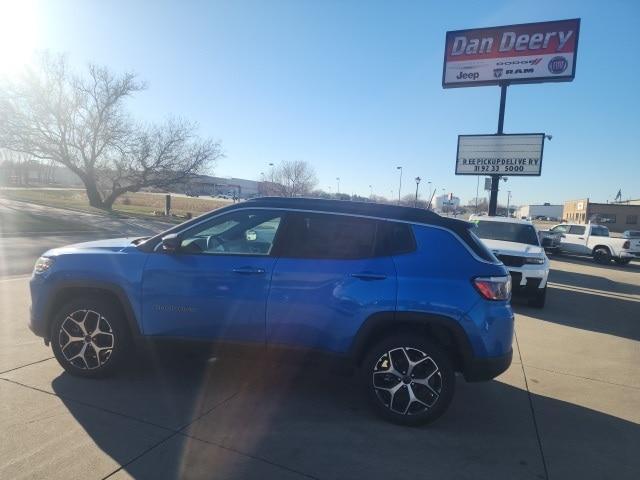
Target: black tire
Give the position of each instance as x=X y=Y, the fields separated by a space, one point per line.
x=432 y=366
x=622 y=261
x=105 y=343
x=539 y=298
x=602 y=255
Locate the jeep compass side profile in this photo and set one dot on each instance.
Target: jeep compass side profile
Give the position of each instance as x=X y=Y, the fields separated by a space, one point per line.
x=406 y=296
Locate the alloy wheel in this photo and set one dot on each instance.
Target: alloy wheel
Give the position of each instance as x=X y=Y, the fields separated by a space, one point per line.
x=407 y=381
x=86 y=339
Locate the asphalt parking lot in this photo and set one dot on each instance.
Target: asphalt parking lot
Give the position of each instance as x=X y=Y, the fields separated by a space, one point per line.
x=567 y=407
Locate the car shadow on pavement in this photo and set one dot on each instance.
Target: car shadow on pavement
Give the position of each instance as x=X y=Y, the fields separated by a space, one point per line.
x=255 y=418
x=633 y=266
x=603 y=312
x=588 y=281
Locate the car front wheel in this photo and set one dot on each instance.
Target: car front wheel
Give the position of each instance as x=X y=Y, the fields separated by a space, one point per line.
x=89 y=337
x=539 y=298
x=408 y=380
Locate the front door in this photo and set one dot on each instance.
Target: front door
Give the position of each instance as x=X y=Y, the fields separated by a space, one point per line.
x=215 y=286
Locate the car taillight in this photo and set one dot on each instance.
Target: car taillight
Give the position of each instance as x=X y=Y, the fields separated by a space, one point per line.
x=493 y=288
x=626 y=244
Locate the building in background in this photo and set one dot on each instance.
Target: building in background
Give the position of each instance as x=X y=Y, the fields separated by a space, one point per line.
x=617 y=216
x=546 y=210
x=447 y=203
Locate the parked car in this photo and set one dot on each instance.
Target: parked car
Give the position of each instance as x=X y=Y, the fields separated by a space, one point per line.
x=404 y=295
x=550 y=240
x=594 y=240
x=631 y=234
x=515 y=242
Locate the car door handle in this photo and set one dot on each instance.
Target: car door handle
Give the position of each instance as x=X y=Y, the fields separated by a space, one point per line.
x=580 y=238
x=368 y=276
x=249 y=270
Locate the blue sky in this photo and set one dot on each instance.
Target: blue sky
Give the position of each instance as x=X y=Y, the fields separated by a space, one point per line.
x=354 y=88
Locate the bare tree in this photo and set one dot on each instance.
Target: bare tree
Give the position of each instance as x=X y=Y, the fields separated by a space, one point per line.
x=80 y=122
x=294 y=178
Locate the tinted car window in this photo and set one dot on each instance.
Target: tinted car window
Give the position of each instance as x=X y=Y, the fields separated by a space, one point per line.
x=560 y=228
x=395 y=238
x=329 y=236
x=238 y=233
x=509 y=232
x=599 y=231
x=576 y=230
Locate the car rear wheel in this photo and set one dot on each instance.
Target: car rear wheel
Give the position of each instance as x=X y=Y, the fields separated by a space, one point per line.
x=602 y=255
x=89 y=337
x=408 y=380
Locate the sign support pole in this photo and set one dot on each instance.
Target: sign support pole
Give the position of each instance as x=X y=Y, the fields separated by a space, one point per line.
x=495 y=179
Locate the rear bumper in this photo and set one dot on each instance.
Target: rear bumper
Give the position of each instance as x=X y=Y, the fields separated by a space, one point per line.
x=483 y=369
x=628 y=254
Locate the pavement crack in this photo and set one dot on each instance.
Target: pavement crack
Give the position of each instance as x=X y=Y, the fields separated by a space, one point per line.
x=208 y=411
x=142 y=454
x=89 y=405
x=533 y=411
x=26 y=365
x=583 y=377
x=251 y=456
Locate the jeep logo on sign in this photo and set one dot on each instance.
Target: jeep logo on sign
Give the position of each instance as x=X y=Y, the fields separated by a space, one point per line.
x=497 y=72
x=469 y=76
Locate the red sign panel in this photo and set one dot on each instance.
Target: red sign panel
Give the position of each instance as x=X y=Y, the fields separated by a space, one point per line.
x=527 y=53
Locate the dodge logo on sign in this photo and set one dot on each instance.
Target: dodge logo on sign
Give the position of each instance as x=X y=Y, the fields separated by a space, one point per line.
x=527 y=53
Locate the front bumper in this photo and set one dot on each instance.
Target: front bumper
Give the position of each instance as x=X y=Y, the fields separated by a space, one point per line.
x=526 y=281
x=483 y=369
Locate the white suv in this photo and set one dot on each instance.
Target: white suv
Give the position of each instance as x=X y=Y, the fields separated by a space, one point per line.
x=515 y=243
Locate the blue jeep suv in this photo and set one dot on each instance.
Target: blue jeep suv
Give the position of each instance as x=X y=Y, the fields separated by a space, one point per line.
x=407 y=297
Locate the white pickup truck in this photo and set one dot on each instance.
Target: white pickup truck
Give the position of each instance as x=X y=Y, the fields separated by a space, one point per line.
x=594 y=240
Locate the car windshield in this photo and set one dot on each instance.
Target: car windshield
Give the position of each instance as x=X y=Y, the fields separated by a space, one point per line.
x=505 y=231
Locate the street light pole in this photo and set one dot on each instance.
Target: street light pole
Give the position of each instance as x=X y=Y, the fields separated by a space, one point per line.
x=429 y=205
x=370 y=191
x=508 y=198
x=338 y=180
x=415 y=203
x=400 y=185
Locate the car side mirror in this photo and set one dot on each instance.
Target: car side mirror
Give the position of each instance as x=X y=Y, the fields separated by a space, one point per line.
x=171 y=243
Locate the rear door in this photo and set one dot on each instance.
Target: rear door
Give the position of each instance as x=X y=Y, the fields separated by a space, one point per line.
x=332 y=274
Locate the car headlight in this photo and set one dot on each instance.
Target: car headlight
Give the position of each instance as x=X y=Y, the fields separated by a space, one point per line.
x=42 y=265
x=535 y=260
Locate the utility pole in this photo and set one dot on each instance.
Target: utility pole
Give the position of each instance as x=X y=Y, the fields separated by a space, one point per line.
x=495 y=179
x=399 y=186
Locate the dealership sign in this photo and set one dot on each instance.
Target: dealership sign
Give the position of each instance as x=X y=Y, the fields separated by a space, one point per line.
x=512 y=154
x=526 y=53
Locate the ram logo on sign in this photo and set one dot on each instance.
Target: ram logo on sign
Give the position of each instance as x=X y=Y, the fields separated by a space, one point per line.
x=527 y=53
x=511 y=154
